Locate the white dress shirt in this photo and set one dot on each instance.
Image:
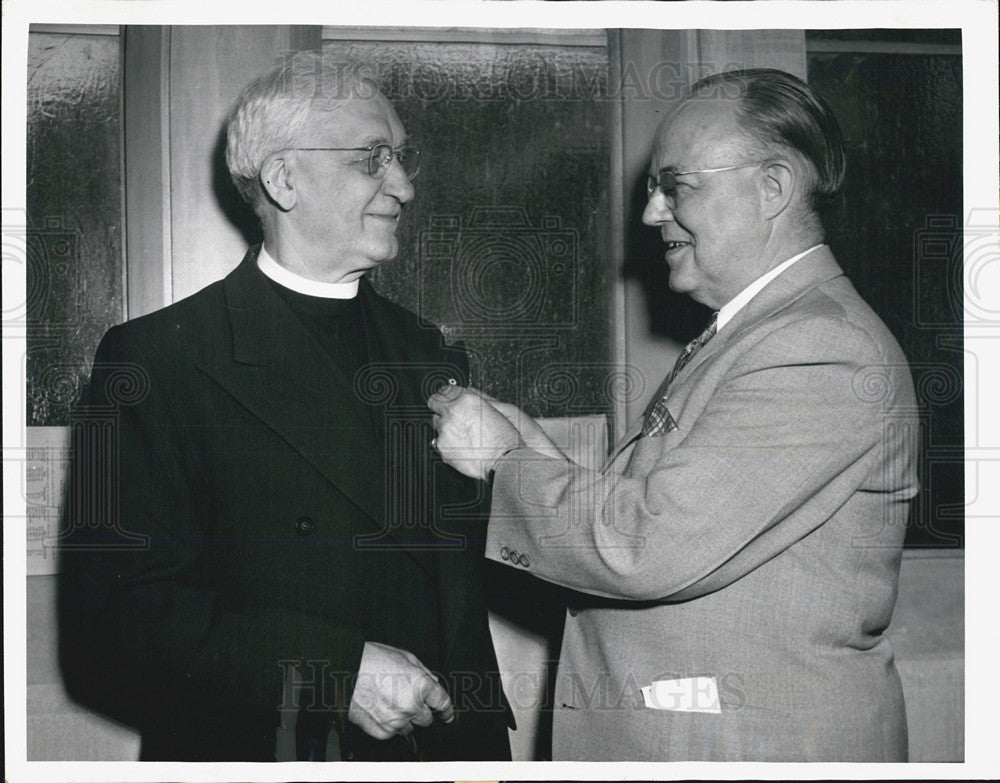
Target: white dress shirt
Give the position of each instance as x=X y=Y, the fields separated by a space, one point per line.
x=738 y=302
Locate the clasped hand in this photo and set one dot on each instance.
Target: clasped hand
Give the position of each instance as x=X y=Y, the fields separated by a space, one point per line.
x=395 y=692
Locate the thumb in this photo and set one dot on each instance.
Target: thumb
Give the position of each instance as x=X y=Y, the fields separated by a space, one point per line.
x=450 y=391
x=436 y=697
x=442 y=399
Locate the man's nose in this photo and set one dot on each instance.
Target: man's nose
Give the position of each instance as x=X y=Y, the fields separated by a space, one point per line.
x=658 y=209
x=397 y=184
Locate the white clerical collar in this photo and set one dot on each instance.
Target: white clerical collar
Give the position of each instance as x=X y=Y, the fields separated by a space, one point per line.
x=303 y=285
x=737 y=303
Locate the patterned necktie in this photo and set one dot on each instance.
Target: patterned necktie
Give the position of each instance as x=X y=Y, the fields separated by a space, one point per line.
x=659 y=420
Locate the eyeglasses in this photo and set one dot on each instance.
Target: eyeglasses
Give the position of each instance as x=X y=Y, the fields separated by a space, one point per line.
x=666 y=181
x=380 y=158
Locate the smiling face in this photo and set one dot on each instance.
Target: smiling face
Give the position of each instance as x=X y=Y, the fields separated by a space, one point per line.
x=343 y=220
x=713 y=227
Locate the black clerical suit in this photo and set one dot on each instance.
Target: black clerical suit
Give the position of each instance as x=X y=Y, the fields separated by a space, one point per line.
x=253 y=488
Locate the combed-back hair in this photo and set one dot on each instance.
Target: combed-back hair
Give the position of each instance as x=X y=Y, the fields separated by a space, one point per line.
x=778 y=109
x=271 y=111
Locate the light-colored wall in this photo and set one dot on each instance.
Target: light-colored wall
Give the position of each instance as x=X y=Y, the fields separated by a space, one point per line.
x=927 y=631
x=184 y=80
x=928 y=634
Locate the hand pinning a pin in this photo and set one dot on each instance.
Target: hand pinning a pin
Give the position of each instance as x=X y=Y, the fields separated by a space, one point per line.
x=451 y=391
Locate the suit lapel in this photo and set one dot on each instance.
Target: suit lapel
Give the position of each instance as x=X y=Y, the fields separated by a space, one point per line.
x=280 y=374
x=418 y=369
x=411 y=370
x=805 y=274
x=816 y=268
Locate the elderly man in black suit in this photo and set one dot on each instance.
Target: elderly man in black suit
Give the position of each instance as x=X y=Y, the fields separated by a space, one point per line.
x=266 y=496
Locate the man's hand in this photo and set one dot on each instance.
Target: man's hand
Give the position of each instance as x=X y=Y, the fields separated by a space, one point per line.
x=395 y=692
x=471 y=434
x=531 y=432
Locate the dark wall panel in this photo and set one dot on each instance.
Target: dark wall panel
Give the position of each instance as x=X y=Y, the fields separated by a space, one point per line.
x=74 y=216
x=506 y=243
x=898 y=234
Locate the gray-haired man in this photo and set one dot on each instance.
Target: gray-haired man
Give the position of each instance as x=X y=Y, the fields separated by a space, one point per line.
x=290 y=515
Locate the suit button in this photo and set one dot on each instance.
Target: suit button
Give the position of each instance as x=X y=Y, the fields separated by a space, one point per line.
x=304 y=526
x=504 y=553
x=523 y=560
x=573 y=611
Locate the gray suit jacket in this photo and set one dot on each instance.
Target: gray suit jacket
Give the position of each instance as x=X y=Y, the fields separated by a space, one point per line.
x=756 y=546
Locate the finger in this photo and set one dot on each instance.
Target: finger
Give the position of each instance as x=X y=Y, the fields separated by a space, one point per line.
x=437 y=403
x=400 y=725
x=438 y=700
x=505 y=409
x=373 y=728
x=451 y=390
x=482 y=394
x=424 y=717
x=420 y=665
x=443 y=397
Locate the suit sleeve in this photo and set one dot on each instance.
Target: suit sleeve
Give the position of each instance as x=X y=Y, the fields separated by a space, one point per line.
x=781 y=444
x=463 y=503
x=144 y=622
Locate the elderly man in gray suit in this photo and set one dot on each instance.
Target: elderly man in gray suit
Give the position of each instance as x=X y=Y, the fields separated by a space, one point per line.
x=736 y=559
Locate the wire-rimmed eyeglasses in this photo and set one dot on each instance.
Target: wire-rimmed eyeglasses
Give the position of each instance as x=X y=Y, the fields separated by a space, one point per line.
x=380 y=157
x=666 y=180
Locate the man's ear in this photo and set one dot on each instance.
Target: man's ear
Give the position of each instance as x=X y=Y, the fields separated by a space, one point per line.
x=277 y=179
x=779 y=183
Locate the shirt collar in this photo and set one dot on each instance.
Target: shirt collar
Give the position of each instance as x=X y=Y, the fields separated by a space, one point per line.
x=738 y=302
x=303 y=285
